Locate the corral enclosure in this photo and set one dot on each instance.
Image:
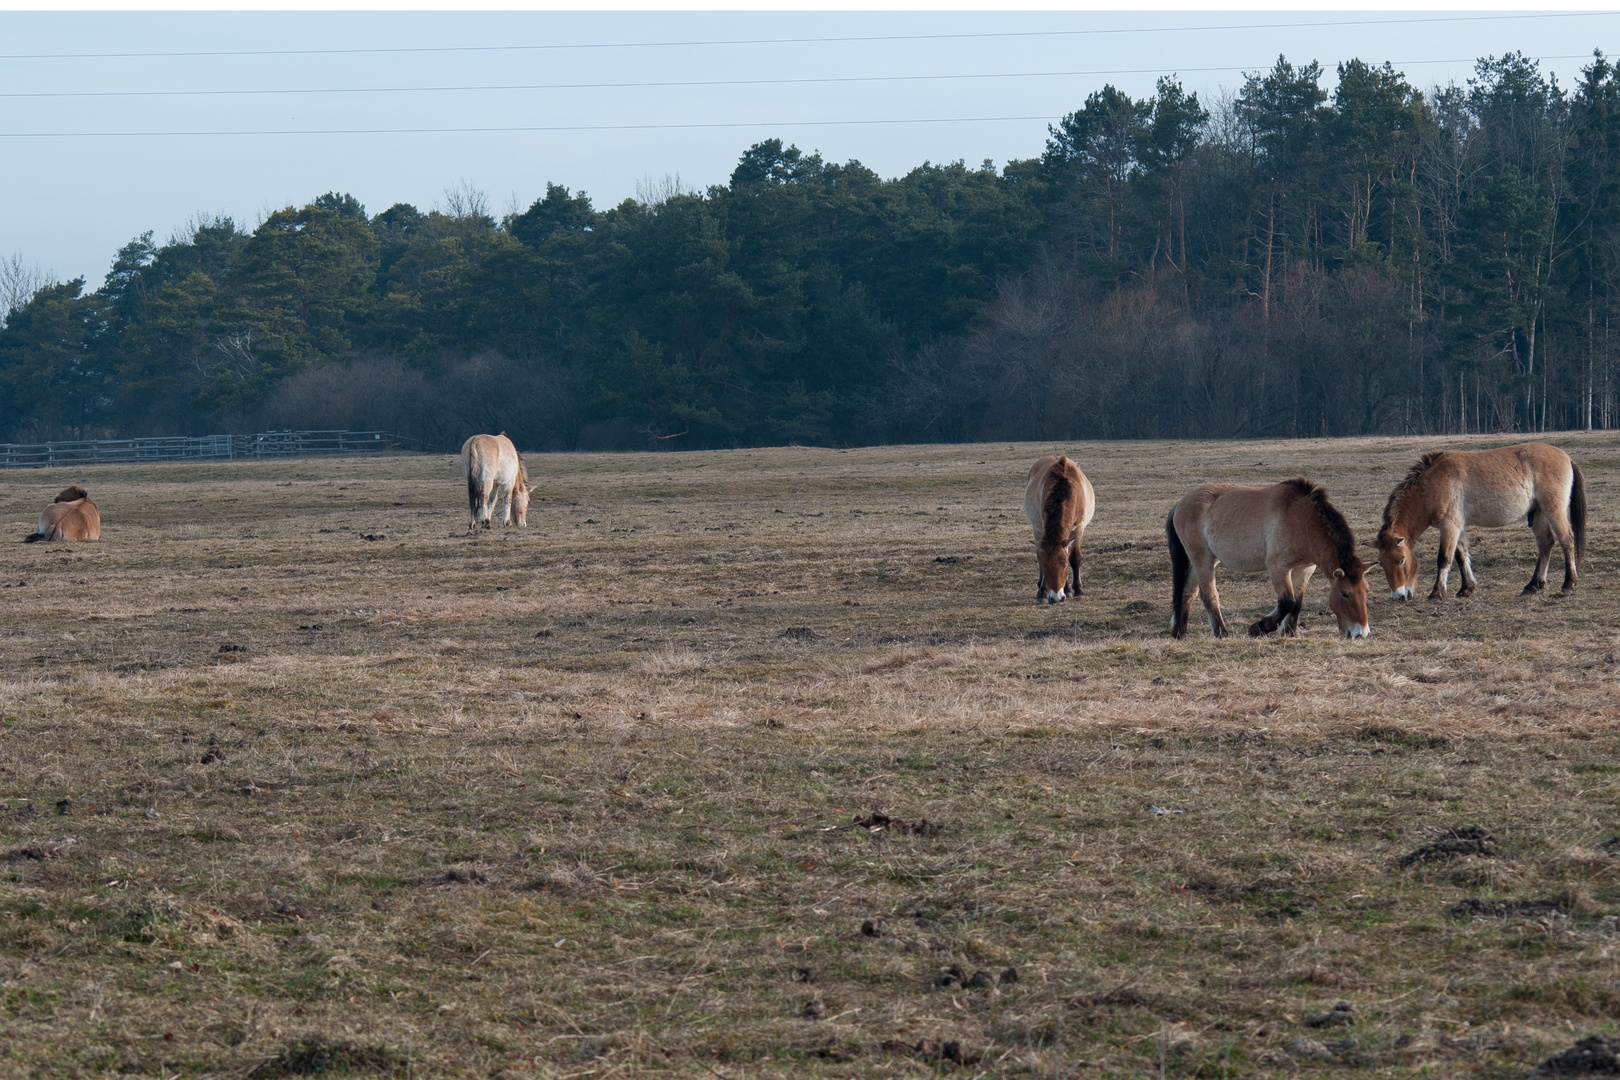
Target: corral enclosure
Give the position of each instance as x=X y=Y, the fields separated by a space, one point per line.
x=299 y=778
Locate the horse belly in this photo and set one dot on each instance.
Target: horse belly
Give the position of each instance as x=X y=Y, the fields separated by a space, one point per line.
x=1495 y=510
x=1243 y=554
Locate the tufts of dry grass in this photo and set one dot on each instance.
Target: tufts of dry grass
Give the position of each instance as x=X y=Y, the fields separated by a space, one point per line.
x=298 y=778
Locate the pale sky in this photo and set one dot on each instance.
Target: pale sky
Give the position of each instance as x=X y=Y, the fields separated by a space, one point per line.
x=69 y=201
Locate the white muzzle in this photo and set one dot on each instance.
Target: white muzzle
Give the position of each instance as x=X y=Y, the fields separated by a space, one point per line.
x=1356 y=630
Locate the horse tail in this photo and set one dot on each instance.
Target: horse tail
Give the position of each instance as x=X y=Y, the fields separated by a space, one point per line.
x=1180 y=571
x=34 y=537
x=474 y=493
x=1577 y=512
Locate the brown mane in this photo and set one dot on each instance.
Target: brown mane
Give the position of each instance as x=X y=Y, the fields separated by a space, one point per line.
x=1413 y=475
x=72 y=494
x=1052 y=509
x=1338 y=529
x=523 y=475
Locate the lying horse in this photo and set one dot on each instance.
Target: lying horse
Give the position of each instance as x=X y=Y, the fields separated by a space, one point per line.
x=1059 y=502
x=1453 y=489
x=495 y=473
x=1287 y=530
x=71 y=517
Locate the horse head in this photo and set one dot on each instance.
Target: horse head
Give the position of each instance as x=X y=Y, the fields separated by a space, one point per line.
x=520 y=505
x=1399 y=563
x=1347 y=599
x=1054 y=564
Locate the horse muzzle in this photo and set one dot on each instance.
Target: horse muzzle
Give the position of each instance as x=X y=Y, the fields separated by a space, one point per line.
x=1357 y=630
x=1402 y=594
x=1055 y=597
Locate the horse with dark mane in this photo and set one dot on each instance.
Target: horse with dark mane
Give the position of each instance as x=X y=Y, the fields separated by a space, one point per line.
x=1453 y=489
x=71 y=517
x=1059 y=502
x=1286 y=530
x=495 y=473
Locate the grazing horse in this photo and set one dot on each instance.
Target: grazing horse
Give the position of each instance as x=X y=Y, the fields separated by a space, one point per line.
x=1453 y=489
x=71 y=517
x=1287 y=530
x=495 y=473
x=1059 y=502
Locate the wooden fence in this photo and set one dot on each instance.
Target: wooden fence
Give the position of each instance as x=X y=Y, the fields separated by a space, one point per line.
x=193 y=447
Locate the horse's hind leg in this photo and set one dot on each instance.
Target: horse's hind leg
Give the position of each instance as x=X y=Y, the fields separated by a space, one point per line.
x=1212 y=600
x=1565 y=535
x=1542 y=527
x=1466 y=565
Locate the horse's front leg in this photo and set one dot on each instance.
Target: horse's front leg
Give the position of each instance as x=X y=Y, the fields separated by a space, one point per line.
x=1279 y=615
x=1542 y=527
x=1448 y=550
x=1074 y=567
x=1297 y=580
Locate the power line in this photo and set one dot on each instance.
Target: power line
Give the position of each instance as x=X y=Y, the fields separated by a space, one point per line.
x=806 y=40
x=29 y=95
x=519 y=129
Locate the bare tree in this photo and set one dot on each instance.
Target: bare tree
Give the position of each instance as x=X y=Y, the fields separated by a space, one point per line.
x=19 y=282
x=655 y=193
x=464 y=200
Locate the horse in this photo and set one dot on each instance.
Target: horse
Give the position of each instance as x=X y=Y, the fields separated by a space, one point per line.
x=495 y=473
x=1453 y=489
x=1059 y=502
x=71 y=517
x=1287 y=530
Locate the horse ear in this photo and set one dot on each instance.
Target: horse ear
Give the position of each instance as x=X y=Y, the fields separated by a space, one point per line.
x=1400 y=541
x=1337 y=574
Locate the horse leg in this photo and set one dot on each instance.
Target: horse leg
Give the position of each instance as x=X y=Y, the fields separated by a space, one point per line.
x=1279 y=616
x=1448 y=550
x=1542 y=527
x=1074 y=567
x=1211 y=598
x=1297 y=581
x=1566 y=540
x=1466 y=565
x=503 y=494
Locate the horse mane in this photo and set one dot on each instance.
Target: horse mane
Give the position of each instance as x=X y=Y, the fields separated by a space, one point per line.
x=1052 y=508
x=1413 y=475
x=1338 y=529
x=523 y=475
x=72 y=494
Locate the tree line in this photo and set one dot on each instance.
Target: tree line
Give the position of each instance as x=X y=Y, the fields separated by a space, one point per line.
x=1280 y=261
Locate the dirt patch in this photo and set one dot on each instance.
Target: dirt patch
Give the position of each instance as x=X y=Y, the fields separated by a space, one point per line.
x=1595 y=1055
x=1454 y=844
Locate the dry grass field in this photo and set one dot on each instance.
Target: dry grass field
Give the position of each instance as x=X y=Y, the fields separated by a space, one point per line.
x=299 y=778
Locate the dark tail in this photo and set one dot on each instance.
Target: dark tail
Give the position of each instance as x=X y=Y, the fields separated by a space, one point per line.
x=474 y=495
x=1577 y=512
x=1180 y=570
x=34 y=537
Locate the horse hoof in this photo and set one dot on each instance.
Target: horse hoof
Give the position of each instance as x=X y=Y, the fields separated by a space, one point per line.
x=1258 y=630
x=1531 y=589
x=1463 y=594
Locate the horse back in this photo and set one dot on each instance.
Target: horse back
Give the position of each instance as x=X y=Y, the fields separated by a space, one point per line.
x=1501 y=486
x=77 y=520
x=1058 y=499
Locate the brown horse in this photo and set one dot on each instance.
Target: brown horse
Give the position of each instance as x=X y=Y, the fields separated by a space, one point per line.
x=1453 y=489
x=495 y=473
x=1287 y=530
x=71 y=517
x=1059 y=502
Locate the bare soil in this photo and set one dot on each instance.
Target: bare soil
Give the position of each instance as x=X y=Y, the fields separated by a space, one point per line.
x=748 y=764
